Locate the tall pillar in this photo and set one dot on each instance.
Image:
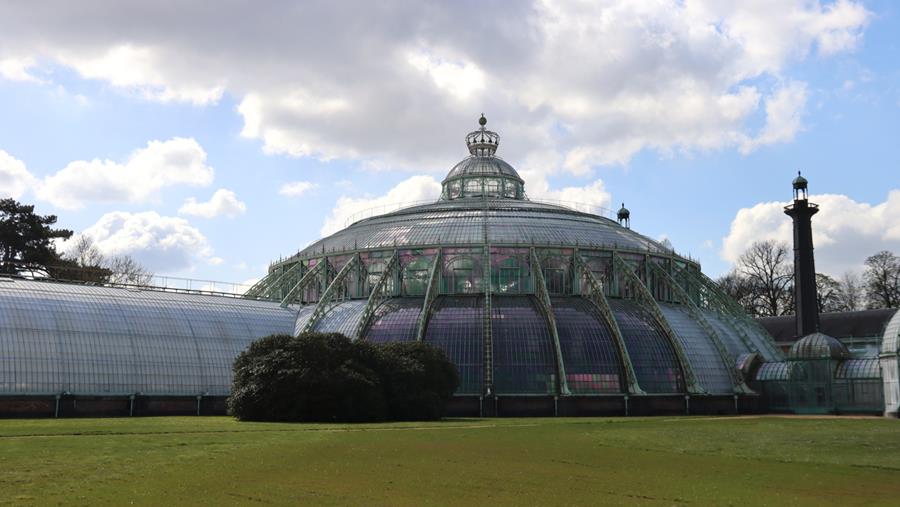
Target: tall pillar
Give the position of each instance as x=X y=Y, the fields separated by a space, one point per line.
x=805 y=300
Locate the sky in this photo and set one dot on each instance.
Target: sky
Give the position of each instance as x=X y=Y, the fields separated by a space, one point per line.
x=208 y=139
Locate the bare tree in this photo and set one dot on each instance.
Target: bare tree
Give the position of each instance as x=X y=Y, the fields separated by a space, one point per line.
x=767 y=269
x=739 y=289
x=828 y=294
x=882 y=280
x=850 y=293
x=126 y=270
x=90 y=265
x=85 y=253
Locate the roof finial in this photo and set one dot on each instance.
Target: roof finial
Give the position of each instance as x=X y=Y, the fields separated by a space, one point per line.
x=482 y=142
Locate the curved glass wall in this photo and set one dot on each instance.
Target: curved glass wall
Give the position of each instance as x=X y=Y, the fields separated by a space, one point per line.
x=655 y=364
x=456 y=326
x=706 y=362
x=343 y=318
x=524 y=361
x=731 y=340
x=589 y=352
x=303 y=315
x=396 y=320
x=58 y=338
x=760 y=340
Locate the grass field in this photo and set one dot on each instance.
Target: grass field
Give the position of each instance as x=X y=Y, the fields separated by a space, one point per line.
x=218 y=461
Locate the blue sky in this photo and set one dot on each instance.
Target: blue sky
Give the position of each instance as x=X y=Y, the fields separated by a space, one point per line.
x=696 y=115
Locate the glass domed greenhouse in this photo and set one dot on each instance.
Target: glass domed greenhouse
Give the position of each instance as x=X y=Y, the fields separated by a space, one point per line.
x=543 y=308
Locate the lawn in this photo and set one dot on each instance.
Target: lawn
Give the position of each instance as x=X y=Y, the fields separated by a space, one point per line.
x=666 y=461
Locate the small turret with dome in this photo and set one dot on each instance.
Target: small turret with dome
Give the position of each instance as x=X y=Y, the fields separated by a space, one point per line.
x=624 y=216
x=800 y=183
x=483 y=174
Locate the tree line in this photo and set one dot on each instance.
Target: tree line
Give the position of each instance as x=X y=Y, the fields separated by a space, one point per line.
x=762 y=281
x=28 y=247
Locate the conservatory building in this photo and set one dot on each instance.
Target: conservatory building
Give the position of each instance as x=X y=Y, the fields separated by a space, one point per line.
x=545 y=308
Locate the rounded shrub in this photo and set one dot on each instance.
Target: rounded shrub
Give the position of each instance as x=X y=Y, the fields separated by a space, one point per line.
x=327 y=377
x=312 y=377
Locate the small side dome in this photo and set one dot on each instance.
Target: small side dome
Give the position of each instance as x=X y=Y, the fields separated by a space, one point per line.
x=623 y=213
x=818 y=346
x=800 y=182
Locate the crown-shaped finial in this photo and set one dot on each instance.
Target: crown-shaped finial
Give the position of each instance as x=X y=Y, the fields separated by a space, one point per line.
x=482 y=142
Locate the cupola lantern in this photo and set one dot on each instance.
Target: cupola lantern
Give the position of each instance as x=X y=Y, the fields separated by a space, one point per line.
x=624 y=217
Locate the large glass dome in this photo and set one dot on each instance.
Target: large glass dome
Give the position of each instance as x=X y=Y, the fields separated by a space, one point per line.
x=536 y=303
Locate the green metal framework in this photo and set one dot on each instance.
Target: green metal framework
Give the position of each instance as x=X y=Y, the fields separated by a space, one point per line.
x=377 y=296
x=431 y=293
x=487 y=316
x=685 y=299
x=718 y=301
x=645 y=299
x=305 y=280
x=543 y=298
x=271 y=291
x=332 y=295
x=595 y=294
x=260 y=286
x=713 y=300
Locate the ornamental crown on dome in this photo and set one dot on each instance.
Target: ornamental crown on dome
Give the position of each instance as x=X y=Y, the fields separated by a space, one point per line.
x=483 y=142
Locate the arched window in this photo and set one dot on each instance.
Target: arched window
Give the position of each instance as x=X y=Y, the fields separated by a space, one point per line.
x=462 y=275
x=415 y=277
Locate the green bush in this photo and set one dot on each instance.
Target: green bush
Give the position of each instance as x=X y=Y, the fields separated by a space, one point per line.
x=326 y=377
x=418 y=379
x=315 y=377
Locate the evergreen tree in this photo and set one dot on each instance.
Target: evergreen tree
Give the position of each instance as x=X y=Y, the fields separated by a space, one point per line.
x=26 y=239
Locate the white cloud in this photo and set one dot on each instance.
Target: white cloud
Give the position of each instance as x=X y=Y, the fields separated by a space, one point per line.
x=14 y=177
x=784 y=109
x=17 y=69
x=137 y=69
x=587 y=198
x=215 y=261
x=459 y=79
x=417 y=189
x=594 y=82
x=162 y=244
x=223 y=202
x=845 y=232
x=296 y=188
x=178 y=161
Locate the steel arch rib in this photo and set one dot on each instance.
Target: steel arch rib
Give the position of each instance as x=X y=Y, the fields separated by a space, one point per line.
x=646 y=299
x=431 y=293
x=730 y=309
x=737 y=380
x=598 y=298
x=302 y=283
x=279 y=282
x=257 y=288
x=376 y=297
x=740 y=314
x=322 y=306
x=547 y=309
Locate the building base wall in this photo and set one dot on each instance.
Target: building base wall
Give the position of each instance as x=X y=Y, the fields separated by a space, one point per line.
x=109 y=406
x=43 y=406
x=596 y=406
